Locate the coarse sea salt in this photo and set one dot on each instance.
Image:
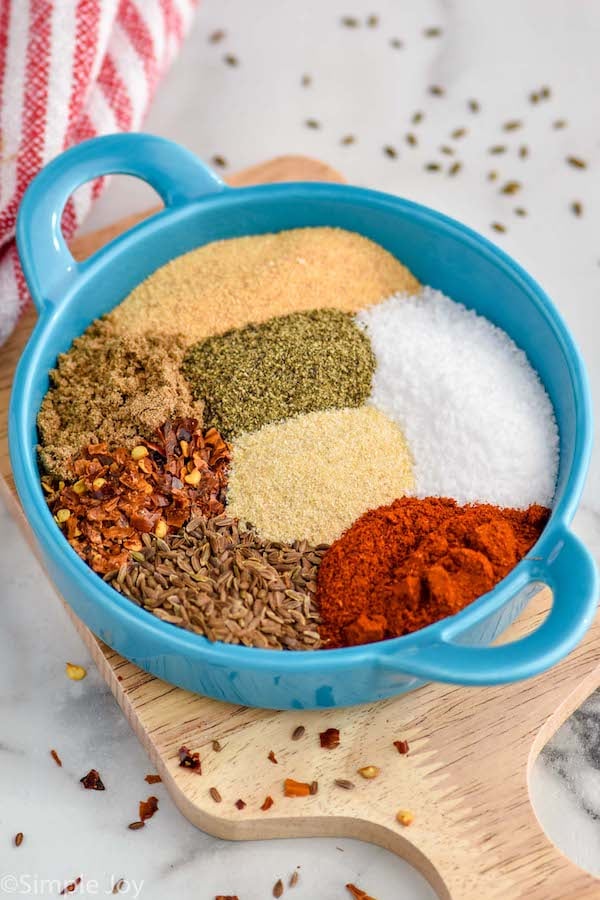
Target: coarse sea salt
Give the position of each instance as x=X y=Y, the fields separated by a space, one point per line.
x=476 y=416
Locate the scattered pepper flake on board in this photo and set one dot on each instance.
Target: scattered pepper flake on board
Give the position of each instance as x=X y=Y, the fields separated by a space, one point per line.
x=405 y=817
x=240 y=804
x=148 y=808
x=314 y=787
x=153 y=779
x=267 y=803
x=330 y=738
x=92 y=781
x=272 y=757
x=69 y=888
x=402 y=747
x=358 y=893
x=74 y=672
x=56 y=758
x=18 y=838
x=293 y=788
x=189 y=760
x=227 y=897
x=369 y=772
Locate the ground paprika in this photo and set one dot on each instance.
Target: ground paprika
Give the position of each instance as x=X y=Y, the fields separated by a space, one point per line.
x=401 y=567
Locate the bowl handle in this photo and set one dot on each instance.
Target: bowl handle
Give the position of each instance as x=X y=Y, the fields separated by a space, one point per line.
x=174 y=173
x=570 y=572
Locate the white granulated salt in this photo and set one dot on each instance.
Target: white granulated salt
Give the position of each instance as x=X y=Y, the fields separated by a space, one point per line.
x=475 y=414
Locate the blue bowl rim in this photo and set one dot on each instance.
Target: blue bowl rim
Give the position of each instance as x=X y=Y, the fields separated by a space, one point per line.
x=191 y=645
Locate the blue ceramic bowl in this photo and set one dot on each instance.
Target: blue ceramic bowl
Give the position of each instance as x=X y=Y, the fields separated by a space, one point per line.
x=441 y=252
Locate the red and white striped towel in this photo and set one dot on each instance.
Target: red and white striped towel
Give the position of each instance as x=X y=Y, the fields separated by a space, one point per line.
x=70 y=70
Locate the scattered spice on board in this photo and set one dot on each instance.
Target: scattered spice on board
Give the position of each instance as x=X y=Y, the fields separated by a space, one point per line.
x=232 y=585
x=119 y=886
x=120 y=495
x=358 y=893
x=498 y=226
x=293 y=788
x=426 y=559
x=330 y=739
x=512 y=125
x=288 y=365
x=576 y=162
x=217 y=36
x=278 y=888
x=92 y=781
x=520 y=211
x=402 y=747
x=474 y=106
x=523 y=151
x=417 y=117
x=267 y=803
x=372 y=21
x=312 y=123
x=497 y=148
x=511 y=187
x=298 y=732
x=306 y=80
x=272 y=757
x=74 y=672
x=189 y=760
x=396 y=43
x=294 y=879
x=432 y=167
x=56 y=758
x=347 y=140
x=558 y=124
x=226 y=284
x=152 y=779
x=369 y=772
x=313 y=475
x=314 y=787
x=577 y=208
x=140 y=387
x=436 y=90
x=433 y=31
x=455 y=168
x=446 y=150
x=216 y=745
x=69 y=888
x=411 y=139
x=135 y=826
x=390 y=151
x=405 y=817
x=349 y=22
x=240 y=804
x=18 y=838
x=230 y=59
x=492 y=176
x=215 y=795
x=147 y=808
x=545 y=92
x=219 y=161
x=458 y=133
x=344 y=784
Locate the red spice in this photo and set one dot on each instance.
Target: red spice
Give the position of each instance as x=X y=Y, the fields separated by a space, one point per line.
x=267 y=804
x=116 y=497
x=56 y=757
x=401 y=567
x=240 y=804
x=401 y=746
x=227 y=897
x=358 y=893
x=272 y=757
x=293 y=788
x=153 y=779
x=69 y=888
x=148 y=808
x=330 y=739
x=189 y=760
x=92 y=781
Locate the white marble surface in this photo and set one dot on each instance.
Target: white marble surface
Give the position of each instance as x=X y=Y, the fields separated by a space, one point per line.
x=496 y=53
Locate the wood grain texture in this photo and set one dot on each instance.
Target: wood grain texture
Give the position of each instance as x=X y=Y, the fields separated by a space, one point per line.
x=474 y=836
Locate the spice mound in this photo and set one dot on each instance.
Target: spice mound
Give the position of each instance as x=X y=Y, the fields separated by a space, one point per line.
x=289 y=365
x=117 y=495
x=228 y=283
x=227 y=584
x=113 y=388
x=404 y=566
x=313 y=475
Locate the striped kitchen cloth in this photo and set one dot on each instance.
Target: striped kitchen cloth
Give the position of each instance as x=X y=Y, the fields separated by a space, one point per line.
x=70 y=70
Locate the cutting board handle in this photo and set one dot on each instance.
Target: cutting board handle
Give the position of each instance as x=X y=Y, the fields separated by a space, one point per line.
x=175 y=174
x=569 y=570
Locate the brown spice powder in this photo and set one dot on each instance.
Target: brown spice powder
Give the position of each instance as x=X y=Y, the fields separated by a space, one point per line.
x=228 y=283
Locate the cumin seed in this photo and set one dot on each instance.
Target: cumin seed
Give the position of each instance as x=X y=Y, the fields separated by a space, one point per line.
x=396 y=43
x=344 y=784
x=219 y=161
x=437 y=90
x=135 y=826
x=492 y=176
x=433 y=31
x=512 y=125
x=520 y=211
x=312 y=123
x=231 y=59
x=498 y=226
x=497 y=148
x=18 y=838
x=372 y=21
x=577 y=208
x=474 y=106
x=349 y=22
x=511 y=187
x=217 y=36
x=449 y=151
x=523 y=151
x=455 y=168
x=306 y=80
x=432 y=167
x=347 y=140
x=215 y=794
x=417 y=117
x=576 y=162
x=411 y=139
x=298 y=732
x=458 y=133
x=390 y=151
x=278 y=888
x=559 y=123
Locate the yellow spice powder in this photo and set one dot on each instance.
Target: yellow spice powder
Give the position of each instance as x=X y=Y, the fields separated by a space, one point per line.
x=312 y=476
x=229 y=283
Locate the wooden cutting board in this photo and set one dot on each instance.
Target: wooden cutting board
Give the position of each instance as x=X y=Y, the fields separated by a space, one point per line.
x=465 y=778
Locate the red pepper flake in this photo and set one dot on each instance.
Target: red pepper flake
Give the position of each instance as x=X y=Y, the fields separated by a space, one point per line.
x=272 y=757
x=69 y=888
x=189 y=760
x=267 y=804
x=401 y=746
x=240 y=804
x=358 y=893
x=227 y=897
x=92 y=781
x=330 y=739
x=148 y=808
x=292 y=788
x=153 y=779
x=56 y=758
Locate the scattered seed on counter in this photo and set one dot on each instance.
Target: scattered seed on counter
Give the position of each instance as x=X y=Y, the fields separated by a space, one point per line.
x=219 y=161
x=217 y=36
x=458 y=133
x=18 y=838
x=344 y=784
x=231 y=585
x=417 y=117
x=411 y=139
x=576 y=162
x=534 y=97
x=405 y=817
x=314 y=474
x=396 y=43
x=545 y=92
x=74 y=672
x=288 y=365
x=497 y=148
x=511 y=187
x=498 y=226
x=390 y=151
x=140 y=387
x=369 y=772
x=312 y=123
x=231 y=60
x=474 y=106
x=347 y=140
x=436 y=91
x=577 y=208
x=480 y=426
x=432 y=31
x=294 y=879
x=372 y=21
x=228 y=283
x=559 y=124
x=492 y=176
x=278 y=889
x=216 y=745
x=215 y=795
x=446 y=150
x=349 y=22
x=306 y=80
x=432 y=167
x=512 y=125
x=402 y=747
x=298 y=732
x=272 y=758
x=523 y=151
x=520 y=211
x=56 y=758
x=455 y=168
